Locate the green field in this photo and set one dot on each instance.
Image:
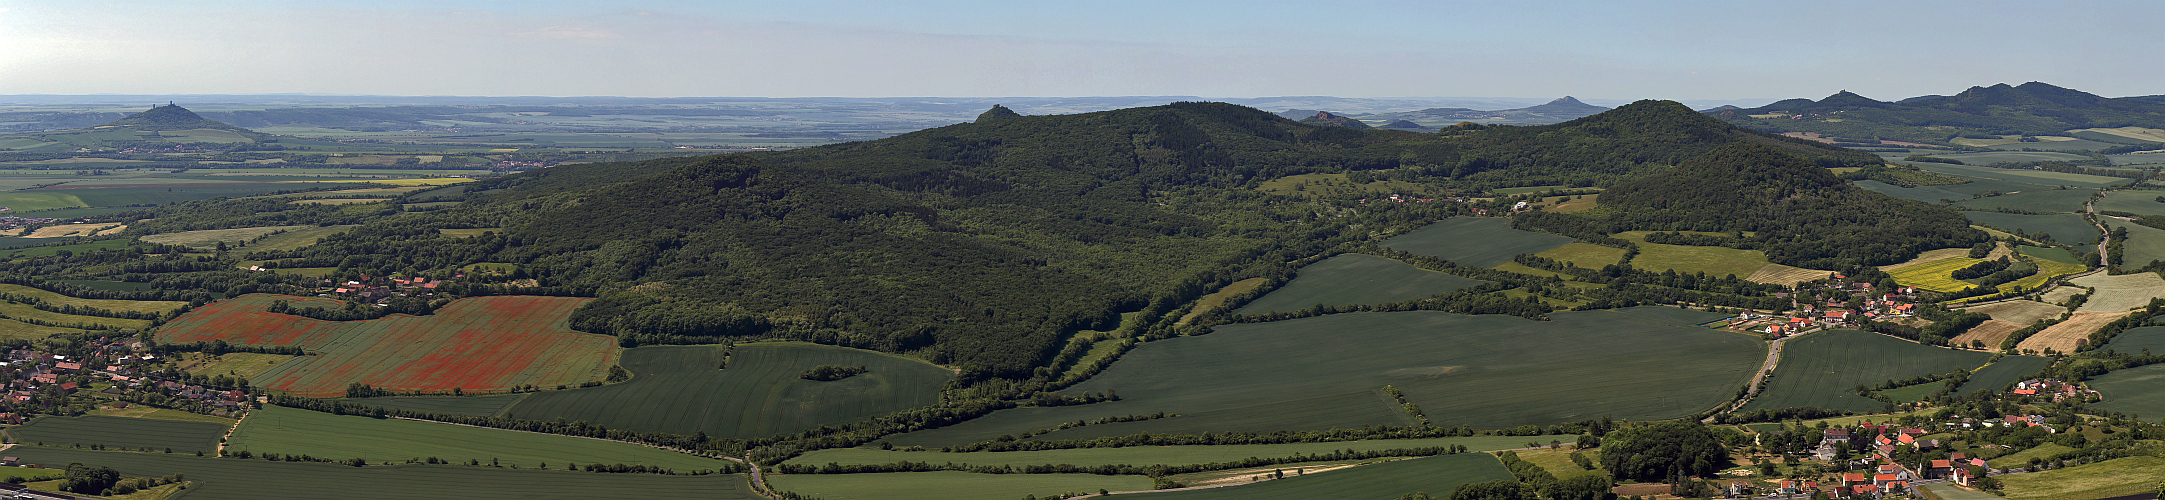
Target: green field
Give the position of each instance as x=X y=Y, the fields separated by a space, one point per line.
x=2138 y=391
x=120 y=432
x=150 y=306
x=238 y=479
x=295 y=239
x=2023 y=175
x=1823 y=369
x=27 y=312
x=1936 y=275
x=1436 y=476
x=78 y=248
x=1927 y=194
x=154 y=413
x=2135 y=340
x=210 y=238
x=238 y=364
x=11 y=329
x=2035 y=199
x=1488 y=371
x=2144 y=243
x=1474 y=241
x=1714 y=261
x=943 y=485
x=2004 y=372
x=1948 y=491
x=1355 y=279
x=473 y=406
x=2055 y=254
x=2136 y=201
x=1586 y=255
x=276 y=429
x=2064 y=228
x=2107 y=479
x=1154 y=455
x=677 y=389
x=111 y=286
x=1913 y=393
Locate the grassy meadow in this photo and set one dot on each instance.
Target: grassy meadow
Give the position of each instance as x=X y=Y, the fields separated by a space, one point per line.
x=2107 y=479
x=2144 y=243
x=210 y=238
x=237 y=479
x=1474 y=241
x=473 y=406
x=1486 y=371
x=2064 y=228
x=2002 y=373
x=287 y=431
x=120 y=432
x=1355 y=279
x=684 y=390
x=2137 y=391
x=1937 y=275
x=1822 y=369
x=945 y=485
x=2135 y=340
x=1437 y=476
x=1154 y=455
x=1714 y=261
x=1586 y=255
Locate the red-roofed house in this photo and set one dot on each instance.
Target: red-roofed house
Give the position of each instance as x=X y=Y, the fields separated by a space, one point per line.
x=1938 y=469
x=1894 y=487
x=1853 y=479
x=68 y=366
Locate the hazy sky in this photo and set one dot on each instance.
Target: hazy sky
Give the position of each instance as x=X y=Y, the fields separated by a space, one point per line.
x=1729 y=49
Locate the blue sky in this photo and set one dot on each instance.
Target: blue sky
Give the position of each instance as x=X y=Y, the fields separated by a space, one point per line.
x=1736 y=49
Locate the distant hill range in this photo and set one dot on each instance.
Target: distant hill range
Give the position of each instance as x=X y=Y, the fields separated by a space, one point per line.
x=1325 y=118
x=170 y=117
x=1560 y=110
x=2032 y=109
x=161 y=128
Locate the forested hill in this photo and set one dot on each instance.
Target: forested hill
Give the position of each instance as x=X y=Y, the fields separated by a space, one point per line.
x=1800 y=214
x=171 y=117
x=2033 y=108
x=979 y=244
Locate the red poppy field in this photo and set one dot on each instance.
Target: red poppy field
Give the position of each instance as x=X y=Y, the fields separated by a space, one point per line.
x=478 y=344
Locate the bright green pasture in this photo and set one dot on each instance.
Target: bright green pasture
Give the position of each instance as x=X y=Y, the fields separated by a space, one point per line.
x=119 y=432
x=2139 y=391
x=1714 y=261
x=1153 y=455
x=2134 y=340
x=2000 y=374
x=2136 y=201
x=1436 y=476
x=154 y=306
x=210 y=238
x=253 y=479
x=2040 y=199
x=1978 y=171
x=75 y=248
x=1823 y=369
x=1586 y=255
x=680 y=390
x=2108 y=479
x=2064 y=228
x=1355 y=279
x=286 y=431
x=471 y=406
x=949 y=485
x=1488 y=371
x=296 y=238
x=28 y=312
x=2054 y=254
x=21 y=201
x=2144 y=243
x=1474 y=241
x=11 y=329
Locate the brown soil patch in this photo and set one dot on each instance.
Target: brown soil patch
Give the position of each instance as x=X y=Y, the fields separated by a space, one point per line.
x=1777 y=274
x=2070 y=334
x=1928 y=256
x=1992 y=332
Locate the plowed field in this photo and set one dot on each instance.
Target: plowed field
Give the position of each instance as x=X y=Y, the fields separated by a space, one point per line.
x=477 y=344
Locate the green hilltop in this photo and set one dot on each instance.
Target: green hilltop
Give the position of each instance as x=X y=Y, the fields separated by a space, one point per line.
x=2033 y=108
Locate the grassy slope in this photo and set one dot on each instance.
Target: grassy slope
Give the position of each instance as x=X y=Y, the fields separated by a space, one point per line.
x=2064 y=228
x=1822 y=369
x=276 y=429
x=1355 y=279
x=120 y=432
x=1486 y=371
x=2110 y=478
x=1714 y=261
x=1474 y=241
x=157 y=306
x=2142 y=202
x=210 y=238
x=2139 y=390
x=2134 y=340
x=235 y=479
x=1586 y=255
x=945 y=485
x=479 y=406
x=678 y=389
x=1149 y=455
x=1437 y=476
x=2144 y=243
x=2006 y=371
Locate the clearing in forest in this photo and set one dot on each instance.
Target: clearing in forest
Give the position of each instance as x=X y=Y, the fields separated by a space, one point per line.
x=210 y=238
x=475 y=344
x=1777 y=274
x=2066 y=336
x=1586 y=255
x=1474 y=241
x=1350 y=279
x=1927 y=257
x=1714 y=261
